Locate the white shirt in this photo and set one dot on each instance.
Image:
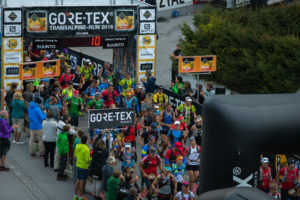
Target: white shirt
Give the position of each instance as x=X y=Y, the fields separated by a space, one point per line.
x=193 y=156
x=186 y=196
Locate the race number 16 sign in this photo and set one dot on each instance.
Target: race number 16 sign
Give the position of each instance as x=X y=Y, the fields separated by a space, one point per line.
x=109 y=118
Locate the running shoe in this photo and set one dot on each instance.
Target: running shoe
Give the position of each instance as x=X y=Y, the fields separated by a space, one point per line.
x=5 y=169
x=20 y=142
x=14 y=142
x=75 y=197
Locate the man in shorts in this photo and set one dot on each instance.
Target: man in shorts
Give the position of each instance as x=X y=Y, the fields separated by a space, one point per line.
x=148 y=167
x=82 y=153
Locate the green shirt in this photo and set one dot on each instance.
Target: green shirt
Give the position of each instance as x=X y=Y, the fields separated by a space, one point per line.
x=62 y=143
x=175 y=88
x=94 y=104
x=73 y=109
x=187 y=112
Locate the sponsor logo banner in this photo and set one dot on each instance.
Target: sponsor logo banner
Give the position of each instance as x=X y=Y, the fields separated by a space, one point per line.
x=167 y=4
x=11 y=70
x=12 y=44
x=63 y=22
x=12 y=57
x=12 y=16
x=109 y=118
x=147 y=54
x=8 y=82
x=148 y=14
x=191 y=64
x=146 y=65
x=46 y=44
x=115 y=42
x=147 y=28
x=12 y=30
x=147 y=40
x=50 y=69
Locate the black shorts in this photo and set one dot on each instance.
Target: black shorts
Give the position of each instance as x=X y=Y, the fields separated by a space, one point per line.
x=193 y=167
x=74 y=121
x=148 y=182
x=4 y=146
x=164 y=132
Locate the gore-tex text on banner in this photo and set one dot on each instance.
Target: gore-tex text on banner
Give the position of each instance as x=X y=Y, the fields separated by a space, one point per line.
x=109 y=118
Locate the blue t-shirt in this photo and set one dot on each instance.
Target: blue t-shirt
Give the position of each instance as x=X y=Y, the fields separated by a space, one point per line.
x=92 y=91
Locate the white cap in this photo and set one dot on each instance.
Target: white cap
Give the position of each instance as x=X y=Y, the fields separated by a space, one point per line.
x=156 y=106
x=127 y=145
x=188 y=99
x=140 y=86
x=265 y=160
x=198 y=120
x=177 y=123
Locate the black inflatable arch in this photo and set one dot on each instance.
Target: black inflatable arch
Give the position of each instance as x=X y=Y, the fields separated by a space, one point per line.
x=237 y=129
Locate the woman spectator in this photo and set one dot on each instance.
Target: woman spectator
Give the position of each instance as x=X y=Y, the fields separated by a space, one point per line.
x=5 y=132
x=53 y=106
x=100 y=153
x=186 y=90
x=18 y=109
x=27 y=95
x=177 y=85
x=49 y=138
x=9 y=98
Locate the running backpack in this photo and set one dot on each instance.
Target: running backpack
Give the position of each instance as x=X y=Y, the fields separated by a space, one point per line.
x=165 y=113
x=146 y=165
x=261 y=173
x=161 y=182
x=189 y=150
x=295 y=181
x=70 y=103
x=190 y=196
x=172 y=137
x=90 y=88
x=131 y=154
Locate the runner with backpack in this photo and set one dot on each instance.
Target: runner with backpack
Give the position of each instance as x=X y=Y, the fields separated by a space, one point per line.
x=128 y=157
x=193 y=161
x=188 y=111
x=176 y=135
x=178 y=170
x=172 y=154
x=196 y=130
x=75 y=104
x=148 y=167
x=111 y=97
x=289 y=178
x=148 y=146
x=265 y=175
x=185 y=194
x=130 y=102
x=96 y=103
x=65 y=78
x=167 y=117
x=91 y=91
x=165 y=184
x=132 y=131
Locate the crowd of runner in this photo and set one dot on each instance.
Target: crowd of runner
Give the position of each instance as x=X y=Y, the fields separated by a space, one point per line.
x=169 y=138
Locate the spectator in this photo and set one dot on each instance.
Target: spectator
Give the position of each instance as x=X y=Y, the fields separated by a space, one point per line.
x=52 y=105
x=178 y=85
x=107 y=172
x=209 y=90
x=49 y=138
x=36 y=117
x=37 y=95
x=82 y=153
x=46 y=91
x=100 y=153
x=149 y=83
x=27 y=95
x=9 y=98
x=133 y=195
x=112 y=185
x=199 y=93
x=186 y=91
x=18 y=110
x=5 y=133
x=63 y=150
x=174 y=57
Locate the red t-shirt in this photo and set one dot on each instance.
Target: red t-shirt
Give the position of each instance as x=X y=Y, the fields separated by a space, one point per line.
x=152 y=164
x=183 y=126
x=61 y=79
x=131 y=136
x=175 y=153
x=289 y=183
x=108 y=97
x=265 y=177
